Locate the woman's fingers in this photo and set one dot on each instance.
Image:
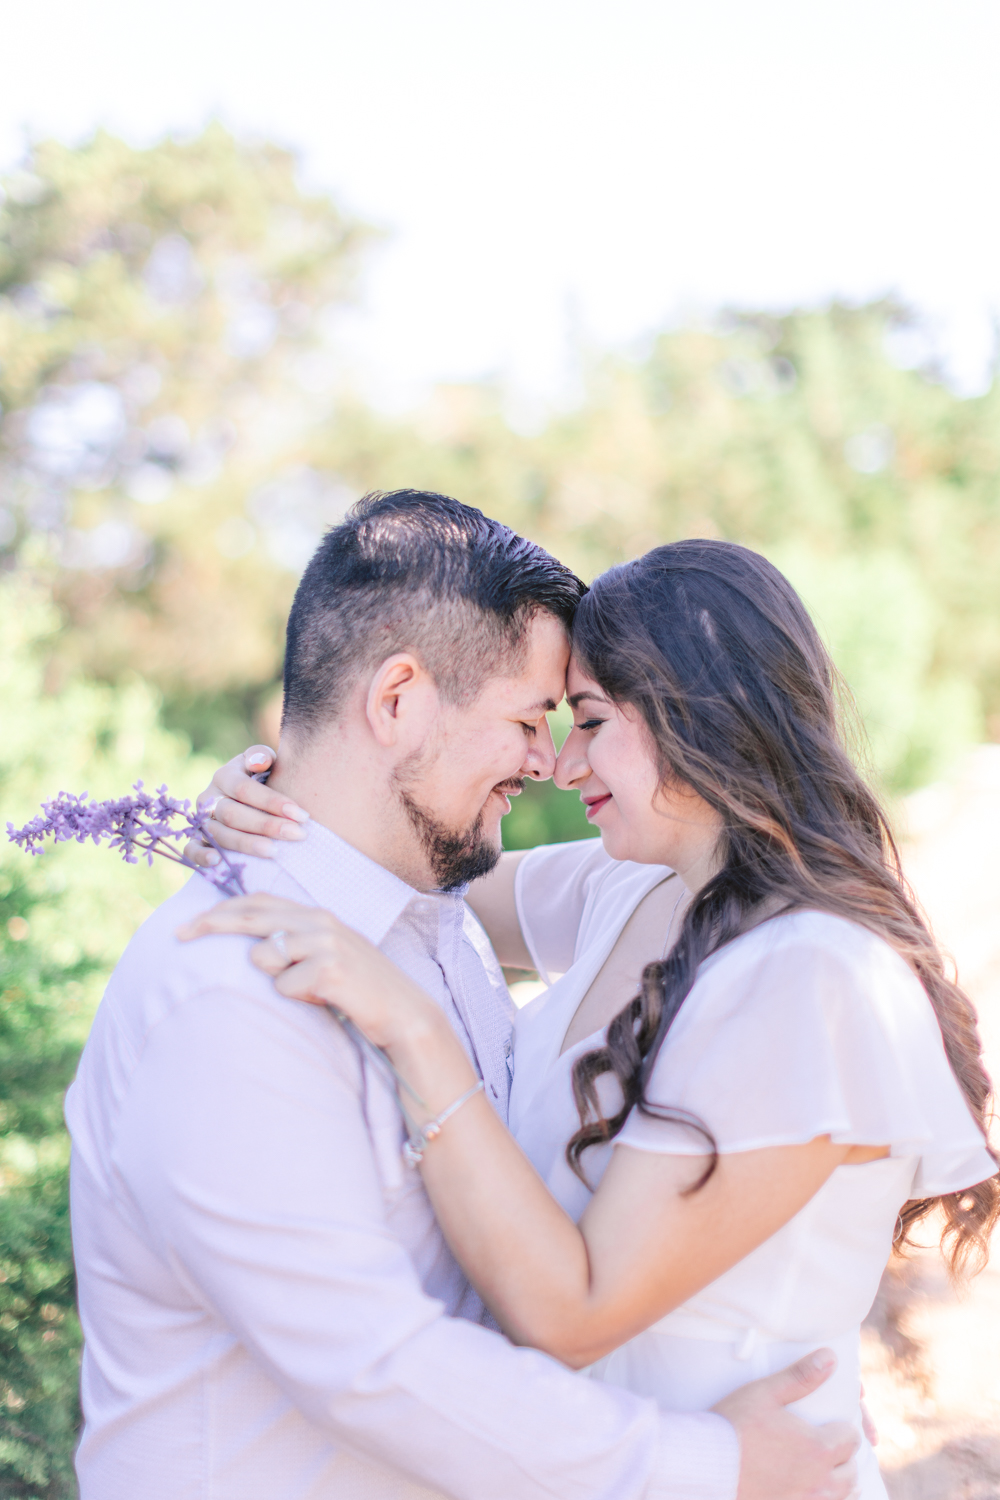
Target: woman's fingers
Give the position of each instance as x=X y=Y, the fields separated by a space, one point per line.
x=258 y=915
x=246 y=818
x=201 y=855
x=245 y=814
x=314 y=980
x=233 y=780
x=228 y=813
x=284 y=948
x=230 y=840
x=258 y=758
x=312 y=956
x=237 y=841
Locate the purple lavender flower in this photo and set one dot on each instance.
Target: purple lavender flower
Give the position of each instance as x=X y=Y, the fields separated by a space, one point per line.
x=140 y=826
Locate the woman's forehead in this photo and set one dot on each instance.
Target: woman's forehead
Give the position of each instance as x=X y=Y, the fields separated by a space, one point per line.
x=578 y=681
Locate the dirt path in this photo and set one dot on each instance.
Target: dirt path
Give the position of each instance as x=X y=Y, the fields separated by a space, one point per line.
x=932 y=1358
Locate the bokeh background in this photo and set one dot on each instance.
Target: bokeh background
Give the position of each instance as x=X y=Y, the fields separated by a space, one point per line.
x=616 y=275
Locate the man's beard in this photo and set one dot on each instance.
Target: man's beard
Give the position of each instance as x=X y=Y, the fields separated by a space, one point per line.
x=455 y=858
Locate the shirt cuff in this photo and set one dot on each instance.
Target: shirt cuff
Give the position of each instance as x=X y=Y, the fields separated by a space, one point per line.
x=698 y=1459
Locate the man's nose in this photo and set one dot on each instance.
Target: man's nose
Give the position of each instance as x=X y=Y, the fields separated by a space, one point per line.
x=540 y=761
x=572 y=764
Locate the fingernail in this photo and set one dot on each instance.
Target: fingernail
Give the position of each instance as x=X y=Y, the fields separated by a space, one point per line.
x=211 y=857
x=822 y=1362
x=291 y=810
x=258 y=760
x=292 y=831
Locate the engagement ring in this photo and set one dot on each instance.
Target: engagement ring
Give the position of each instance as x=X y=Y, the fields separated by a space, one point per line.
x=278 y=939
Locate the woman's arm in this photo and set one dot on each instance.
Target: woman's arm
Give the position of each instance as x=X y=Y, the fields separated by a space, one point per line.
x=644 y=1245
x=492 y=899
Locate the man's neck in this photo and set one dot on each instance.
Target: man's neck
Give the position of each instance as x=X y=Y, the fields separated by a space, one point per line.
x=345 y=795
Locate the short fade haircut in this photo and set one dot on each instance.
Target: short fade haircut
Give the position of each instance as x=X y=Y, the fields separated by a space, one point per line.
x=411 y=570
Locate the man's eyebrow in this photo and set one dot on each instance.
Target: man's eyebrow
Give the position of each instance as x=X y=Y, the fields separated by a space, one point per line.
x=543 y=706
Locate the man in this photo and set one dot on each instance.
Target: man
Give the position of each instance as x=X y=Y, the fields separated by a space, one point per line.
x=270 y=1310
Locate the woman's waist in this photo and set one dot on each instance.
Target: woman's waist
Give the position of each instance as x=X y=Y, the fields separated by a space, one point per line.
x=687 y=1371
x=739 y=1327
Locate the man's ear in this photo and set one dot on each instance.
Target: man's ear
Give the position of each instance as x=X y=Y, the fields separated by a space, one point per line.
x=401 y=690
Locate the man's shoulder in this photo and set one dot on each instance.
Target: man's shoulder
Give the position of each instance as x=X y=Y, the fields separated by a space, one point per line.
x=157 y=971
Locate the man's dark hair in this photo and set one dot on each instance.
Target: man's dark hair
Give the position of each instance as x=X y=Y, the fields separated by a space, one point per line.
x=414 y=571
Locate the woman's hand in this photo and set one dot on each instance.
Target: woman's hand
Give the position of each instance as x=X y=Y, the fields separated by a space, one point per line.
x=313 y=957
x=246 y=814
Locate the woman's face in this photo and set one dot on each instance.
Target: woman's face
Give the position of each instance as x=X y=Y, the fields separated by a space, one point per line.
x=608 y=758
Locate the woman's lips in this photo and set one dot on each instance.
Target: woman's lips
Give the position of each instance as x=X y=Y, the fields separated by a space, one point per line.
x=594 y=805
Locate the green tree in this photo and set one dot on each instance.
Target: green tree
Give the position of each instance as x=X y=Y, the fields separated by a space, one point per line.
x=64 y=919
x=161 y=316
x=178 y=433
x=39 y=1333
x=874 y=487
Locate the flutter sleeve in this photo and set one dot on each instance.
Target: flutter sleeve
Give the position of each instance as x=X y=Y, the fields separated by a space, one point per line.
x=810 y=1025
x=551 y=889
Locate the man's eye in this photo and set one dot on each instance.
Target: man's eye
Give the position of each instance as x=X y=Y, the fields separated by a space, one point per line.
x=530 y=728
x=589 y=724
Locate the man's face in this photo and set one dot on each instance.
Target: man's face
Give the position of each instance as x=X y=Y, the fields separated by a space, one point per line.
x=455 y=791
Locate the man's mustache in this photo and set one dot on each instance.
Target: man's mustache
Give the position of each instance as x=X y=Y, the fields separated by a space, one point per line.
x=515 y=784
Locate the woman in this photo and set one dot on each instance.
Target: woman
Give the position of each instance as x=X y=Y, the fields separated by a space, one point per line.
x=707 y=1179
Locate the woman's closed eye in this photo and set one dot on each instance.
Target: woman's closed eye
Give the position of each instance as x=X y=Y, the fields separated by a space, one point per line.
x=590 y=724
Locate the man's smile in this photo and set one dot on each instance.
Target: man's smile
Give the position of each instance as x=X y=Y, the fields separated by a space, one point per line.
x=507 y=789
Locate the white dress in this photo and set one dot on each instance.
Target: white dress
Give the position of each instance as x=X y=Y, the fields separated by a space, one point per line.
x=808 y=1025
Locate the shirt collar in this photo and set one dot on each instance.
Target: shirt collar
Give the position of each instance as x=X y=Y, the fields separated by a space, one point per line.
x=361 y=893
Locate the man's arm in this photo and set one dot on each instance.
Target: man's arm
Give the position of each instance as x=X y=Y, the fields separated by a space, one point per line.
x=244 y=1149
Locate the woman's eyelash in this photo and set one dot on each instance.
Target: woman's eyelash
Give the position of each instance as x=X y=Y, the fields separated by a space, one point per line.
x=590 y=724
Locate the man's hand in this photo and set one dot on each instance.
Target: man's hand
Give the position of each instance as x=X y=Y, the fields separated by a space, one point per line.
x=781 y=1456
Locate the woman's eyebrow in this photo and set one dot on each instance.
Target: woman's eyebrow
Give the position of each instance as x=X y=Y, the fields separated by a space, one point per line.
x=578 y=698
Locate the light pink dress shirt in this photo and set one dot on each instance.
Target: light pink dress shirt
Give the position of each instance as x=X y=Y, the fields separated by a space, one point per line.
x=269 y=1308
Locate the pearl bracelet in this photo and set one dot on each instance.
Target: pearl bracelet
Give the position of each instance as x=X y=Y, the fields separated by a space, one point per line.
x=414 y=1148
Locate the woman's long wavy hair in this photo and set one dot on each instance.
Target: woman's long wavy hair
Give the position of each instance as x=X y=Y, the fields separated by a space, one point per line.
x=715 y=650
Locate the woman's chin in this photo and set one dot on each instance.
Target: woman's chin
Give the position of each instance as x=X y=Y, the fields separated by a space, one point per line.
x=614 y=843
x=621 y=846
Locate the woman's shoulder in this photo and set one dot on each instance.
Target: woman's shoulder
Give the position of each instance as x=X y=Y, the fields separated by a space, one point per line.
x=812 y=1024
x=584 y=868
x=810 y=959
x=570 y=896
x=814 y=937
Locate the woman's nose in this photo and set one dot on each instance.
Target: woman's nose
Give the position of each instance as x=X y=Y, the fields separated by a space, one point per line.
x=572 y=764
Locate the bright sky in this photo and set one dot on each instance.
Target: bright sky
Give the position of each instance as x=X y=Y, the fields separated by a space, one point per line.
x=557 y=174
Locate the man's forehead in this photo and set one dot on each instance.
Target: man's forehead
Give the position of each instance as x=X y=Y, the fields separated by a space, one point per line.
x=537 y=683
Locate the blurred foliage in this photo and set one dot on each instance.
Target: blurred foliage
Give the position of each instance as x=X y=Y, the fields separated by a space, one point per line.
x=178 y=429
x=39 y=1332
x=158 y=314
x=64 y=918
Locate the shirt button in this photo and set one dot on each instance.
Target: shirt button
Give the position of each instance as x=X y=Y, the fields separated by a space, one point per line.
x=423 y=908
